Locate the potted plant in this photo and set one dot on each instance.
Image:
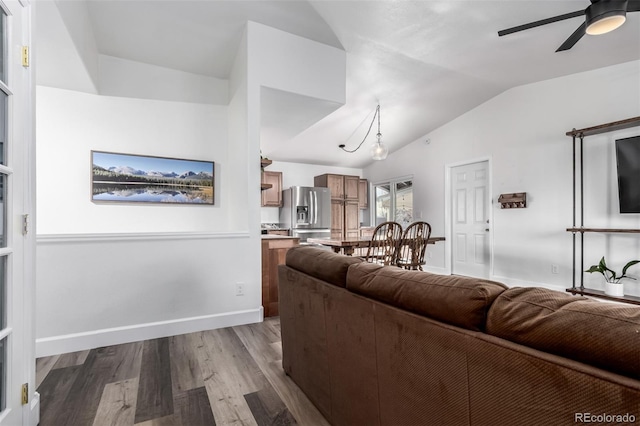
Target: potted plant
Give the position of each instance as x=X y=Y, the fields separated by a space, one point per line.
x=612 y=286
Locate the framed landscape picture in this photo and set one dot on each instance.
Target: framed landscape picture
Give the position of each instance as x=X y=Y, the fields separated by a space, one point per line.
x=147 y=179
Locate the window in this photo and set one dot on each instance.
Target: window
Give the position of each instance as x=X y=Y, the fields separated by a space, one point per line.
x=394 y=201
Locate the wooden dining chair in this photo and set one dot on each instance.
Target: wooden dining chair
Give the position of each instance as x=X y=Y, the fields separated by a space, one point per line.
x=410 y=254
x=384 y=243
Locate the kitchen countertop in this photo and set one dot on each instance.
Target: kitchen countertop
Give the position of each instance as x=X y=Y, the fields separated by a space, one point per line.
x=278 y=237
x=273 y=227
x=277 y=231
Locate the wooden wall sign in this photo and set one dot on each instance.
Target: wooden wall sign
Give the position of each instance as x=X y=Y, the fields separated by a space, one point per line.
x=516 y=200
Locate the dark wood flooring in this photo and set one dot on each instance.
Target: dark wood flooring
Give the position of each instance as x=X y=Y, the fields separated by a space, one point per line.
x=216 y=377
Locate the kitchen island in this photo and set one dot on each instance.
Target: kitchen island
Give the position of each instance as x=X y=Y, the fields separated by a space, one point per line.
x=274 y=250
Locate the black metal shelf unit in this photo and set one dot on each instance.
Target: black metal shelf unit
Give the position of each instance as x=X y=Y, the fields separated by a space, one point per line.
x=578 y=136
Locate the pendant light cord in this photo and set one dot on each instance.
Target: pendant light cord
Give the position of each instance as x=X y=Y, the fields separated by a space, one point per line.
x=376 y=114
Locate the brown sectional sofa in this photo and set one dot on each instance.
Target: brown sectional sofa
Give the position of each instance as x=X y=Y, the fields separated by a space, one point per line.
x=373 y=345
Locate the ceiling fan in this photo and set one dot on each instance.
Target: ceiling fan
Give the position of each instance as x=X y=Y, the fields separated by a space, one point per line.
x=601 y=16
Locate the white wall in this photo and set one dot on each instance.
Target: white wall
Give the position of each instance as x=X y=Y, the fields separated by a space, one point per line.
x=71 y=124
x=98 y=290
x=65 y=57
x=121 y=77
x=290 y=64
x=111 y=273
x=77 y=21
x=522 y=131
x=299 y=174
x=294 y=64
x=108 y=273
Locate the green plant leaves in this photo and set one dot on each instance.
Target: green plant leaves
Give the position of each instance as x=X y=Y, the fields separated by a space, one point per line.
x=594 y=268
x=628 y=265
x=602 y=268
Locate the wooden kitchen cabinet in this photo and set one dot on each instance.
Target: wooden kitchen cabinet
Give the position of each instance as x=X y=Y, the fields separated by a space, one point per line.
x=345 y=219
x=367 y=231
x=351 y=184
x=335 y=183
x=351 y=219
x=274 y=251
x=272 y=197
x=363 y=193
x=264 y=162
x=337 y=219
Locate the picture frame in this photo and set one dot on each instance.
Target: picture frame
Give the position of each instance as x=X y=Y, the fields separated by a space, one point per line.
x=132 y=178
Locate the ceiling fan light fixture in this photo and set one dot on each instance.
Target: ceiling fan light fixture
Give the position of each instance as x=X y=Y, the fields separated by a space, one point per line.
x=600 y=17
x=605 y=16
x=606 y=25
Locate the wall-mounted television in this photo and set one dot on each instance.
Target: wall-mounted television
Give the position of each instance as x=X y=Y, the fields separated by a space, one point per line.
x=628 y=159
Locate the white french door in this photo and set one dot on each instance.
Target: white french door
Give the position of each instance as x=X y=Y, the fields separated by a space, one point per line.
x=470 y=219
x=17 y=362
x=394 y=201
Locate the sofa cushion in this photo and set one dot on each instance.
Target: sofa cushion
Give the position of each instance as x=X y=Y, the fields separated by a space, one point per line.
x=601 y=334
x=455 y=300
x=319 y=263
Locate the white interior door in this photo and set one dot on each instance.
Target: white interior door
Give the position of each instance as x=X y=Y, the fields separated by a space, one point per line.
x=17 y=362
x=470 y=220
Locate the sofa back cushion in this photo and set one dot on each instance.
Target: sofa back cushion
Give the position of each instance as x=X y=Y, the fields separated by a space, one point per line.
x=601 y=334
x=319 y=263
x=455 y=300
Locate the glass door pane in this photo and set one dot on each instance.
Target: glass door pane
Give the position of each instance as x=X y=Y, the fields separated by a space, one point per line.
x=383 y=203
x=3 y=325
x=7 y=323
x=3 y=44
x=4 y=101
x=3 y=210
x=3 y=292
x=394 y=201
x=3 y=373
x=404 y=202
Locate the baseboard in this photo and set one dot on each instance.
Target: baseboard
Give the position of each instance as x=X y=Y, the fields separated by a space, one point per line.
x=34 y=407
x=113 y=336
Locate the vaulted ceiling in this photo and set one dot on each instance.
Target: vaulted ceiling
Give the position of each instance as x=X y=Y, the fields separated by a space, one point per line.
x=424 y=62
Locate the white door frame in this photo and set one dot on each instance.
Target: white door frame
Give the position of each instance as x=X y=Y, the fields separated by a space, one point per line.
x=448 y=223
x=20 y=294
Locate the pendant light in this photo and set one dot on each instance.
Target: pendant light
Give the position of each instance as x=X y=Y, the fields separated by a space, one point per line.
x=378 y=150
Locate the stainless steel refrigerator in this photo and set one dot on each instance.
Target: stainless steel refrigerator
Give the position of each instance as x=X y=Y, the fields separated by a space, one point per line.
x=307 y=212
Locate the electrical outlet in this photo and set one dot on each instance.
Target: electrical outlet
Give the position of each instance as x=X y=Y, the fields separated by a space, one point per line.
x=555 y=269
x=239 y=289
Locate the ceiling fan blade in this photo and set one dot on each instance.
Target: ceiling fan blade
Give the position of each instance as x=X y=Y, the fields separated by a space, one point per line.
x=573 y=38
x=633 y=6
x=541 y=22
